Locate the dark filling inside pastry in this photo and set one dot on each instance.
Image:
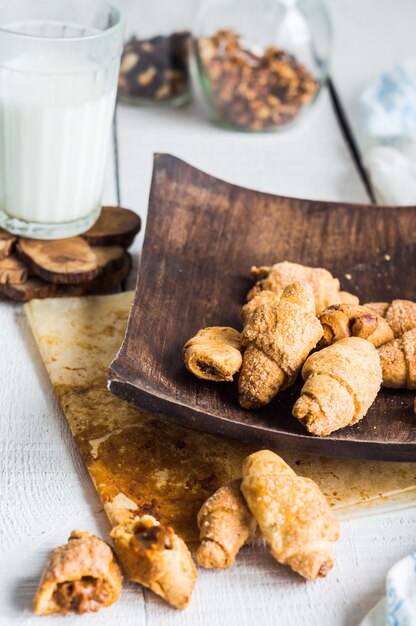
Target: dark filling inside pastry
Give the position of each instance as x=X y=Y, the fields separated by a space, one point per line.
x=207 y=369
x=81 y=596
x=154 y=536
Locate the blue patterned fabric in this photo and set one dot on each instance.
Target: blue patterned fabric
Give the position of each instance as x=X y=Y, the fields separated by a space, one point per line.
x=398 y=608
x=388 y=130
x=389 y=103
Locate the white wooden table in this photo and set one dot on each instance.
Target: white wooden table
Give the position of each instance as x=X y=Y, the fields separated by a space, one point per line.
x=45 y=490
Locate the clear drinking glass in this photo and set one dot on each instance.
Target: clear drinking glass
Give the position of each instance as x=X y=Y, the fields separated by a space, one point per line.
x=59 y=63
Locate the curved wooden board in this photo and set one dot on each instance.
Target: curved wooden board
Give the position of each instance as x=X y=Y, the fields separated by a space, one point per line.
x=202 y=237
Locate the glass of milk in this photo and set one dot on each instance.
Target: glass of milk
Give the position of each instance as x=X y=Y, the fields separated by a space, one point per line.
x=59 y=63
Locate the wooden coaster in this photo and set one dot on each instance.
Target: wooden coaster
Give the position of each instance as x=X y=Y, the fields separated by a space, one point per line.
x=12 y=270
x=115 y=226
x=6 y=243
x=63 y=261
x=95 y=262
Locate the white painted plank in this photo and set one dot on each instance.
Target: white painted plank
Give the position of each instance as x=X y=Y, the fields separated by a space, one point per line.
x=370 y=36
x=44 y=486
x=309 y=161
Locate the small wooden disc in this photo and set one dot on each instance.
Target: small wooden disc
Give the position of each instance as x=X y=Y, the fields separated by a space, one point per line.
x=12 y=270
x=109 y=280
x=6 y=243
x=109 y=258
x=62 y=261
x=115 y=226
x=32 y=288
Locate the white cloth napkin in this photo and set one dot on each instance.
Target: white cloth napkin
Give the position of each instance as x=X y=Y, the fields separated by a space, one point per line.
x=398 y=608
x=389 y=113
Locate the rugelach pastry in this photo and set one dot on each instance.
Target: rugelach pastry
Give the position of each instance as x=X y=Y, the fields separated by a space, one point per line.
x=263 y=297
x=341 y=383
x=214 y=353
x=225 y=525
x=399 y=314
x=326 y=288
x=398 y=362
x=292 y=513
x=154 y=556
x=348 y=298
x=278 y=338
x=81 y=576
x=346 y=320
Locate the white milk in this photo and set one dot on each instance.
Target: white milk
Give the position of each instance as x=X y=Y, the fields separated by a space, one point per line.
x=55 y=122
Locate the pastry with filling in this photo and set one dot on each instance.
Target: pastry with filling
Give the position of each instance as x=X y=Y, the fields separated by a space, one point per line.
x=399 y=314
x=341 y=383
x=345 y=320
x=326 y=288
x=214 y=353
x=278 y=338
x=398 y=362
x=225 y=525
x=154 y=556
x=292 y=513
x=263 y=297
x=348 y=298
x=81 y=576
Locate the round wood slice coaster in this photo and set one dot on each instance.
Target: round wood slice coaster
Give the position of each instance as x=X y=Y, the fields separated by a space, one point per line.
x=96 y=262
x=115 y=226
x=109 y=257
x=62 y=261
x=7 y=242
x=108 y=282
x=29 y=290
x=12 y=270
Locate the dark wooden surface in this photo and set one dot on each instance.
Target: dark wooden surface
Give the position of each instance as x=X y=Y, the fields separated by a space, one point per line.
x=202 y=237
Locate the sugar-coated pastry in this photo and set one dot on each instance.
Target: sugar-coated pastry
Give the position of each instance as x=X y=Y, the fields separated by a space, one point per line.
x=398 y=361
x=348 y=298
x=399 y=314
x=263 y=297
x=341 y=383
x=292 y=513
x=278 y=338
x=225 y=525
x=326 y=288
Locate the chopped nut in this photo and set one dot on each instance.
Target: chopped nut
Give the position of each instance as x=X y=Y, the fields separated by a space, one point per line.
x=162 y=92
x=145 y=78
x=157 y=68
x=252 y=91
x=129 y=61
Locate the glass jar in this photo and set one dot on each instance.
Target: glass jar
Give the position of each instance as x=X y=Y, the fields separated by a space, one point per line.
x=155 y=63
x=261 y=63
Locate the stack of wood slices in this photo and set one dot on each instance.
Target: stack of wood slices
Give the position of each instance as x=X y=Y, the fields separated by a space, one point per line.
x=95 y=262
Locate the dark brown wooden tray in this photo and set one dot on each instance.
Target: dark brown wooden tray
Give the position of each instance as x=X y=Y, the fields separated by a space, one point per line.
x=202 y=237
